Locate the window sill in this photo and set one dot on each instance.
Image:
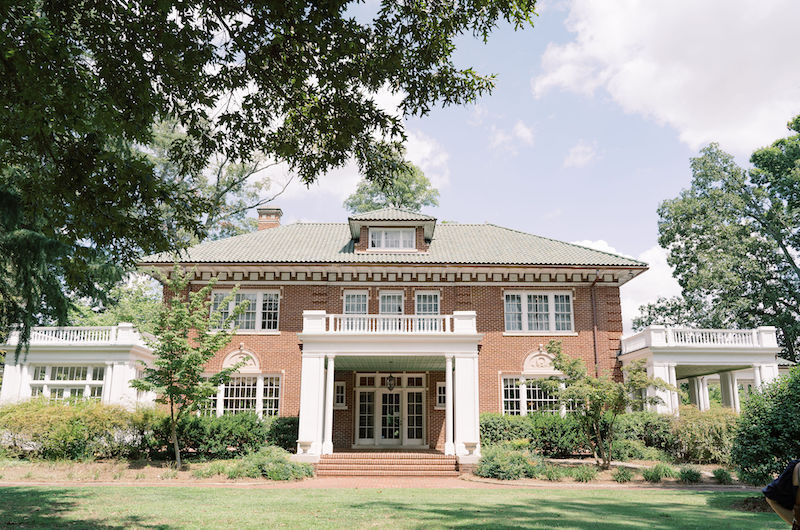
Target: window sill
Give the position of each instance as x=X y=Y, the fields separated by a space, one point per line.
x=540 y=333
x=439 y=408
x=255 y=332
x=339 y=408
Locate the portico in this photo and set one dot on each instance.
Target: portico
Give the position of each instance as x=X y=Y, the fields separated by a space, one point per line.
x=376 y=380
x=693 y=355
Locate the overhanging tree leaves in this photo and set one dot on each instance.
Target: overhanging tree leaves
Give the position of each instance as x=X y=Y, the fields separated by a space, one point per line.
x=186 y=338
x=82 y=83
x=597 y=401
x=734 y=237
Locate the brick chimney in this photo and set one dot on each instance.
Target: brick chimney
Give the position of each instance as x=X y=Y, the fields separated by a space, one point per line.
x=269 y=218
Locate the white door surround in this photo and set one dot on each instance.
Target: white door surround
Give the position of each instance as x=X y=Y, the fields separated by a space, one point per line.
x=452 y=347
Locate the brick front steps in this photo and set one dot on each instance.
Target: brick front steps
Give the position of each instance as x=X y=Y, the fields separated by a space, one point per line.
x=388 y=463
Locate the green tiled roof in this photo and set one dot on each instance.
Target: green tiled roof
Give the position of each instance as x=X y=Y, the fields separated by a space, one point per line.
x=479 y=244
x=391 y=214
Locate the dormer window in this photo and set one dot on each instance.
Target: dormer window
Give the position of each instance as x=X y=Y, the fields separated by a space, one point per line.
x=392 y=239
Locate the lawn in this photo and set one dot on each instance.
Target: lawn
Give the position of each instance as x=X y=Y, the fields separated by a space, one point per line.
x=185 y=507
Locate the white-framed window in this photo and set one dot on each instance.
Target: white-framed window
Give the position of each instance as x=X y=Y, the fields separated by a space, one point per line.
x=391 y=303
x=511 y=394
x=271 y=396
x=63 y=382
x=427 y=303
x=522 y=396
x=241 y=394
x=538 y=312
x=339 y=395
x=262 y=312
x=392 y=238
x=355 y=303
x=441 y=396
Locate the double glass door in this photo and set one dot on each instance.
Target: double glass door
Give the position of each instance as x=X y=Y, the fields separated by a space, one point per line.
x=390 y=417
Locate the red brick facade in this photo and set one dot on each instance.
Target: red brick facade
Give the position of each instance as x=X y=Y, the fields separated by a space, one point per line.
x=280 y=353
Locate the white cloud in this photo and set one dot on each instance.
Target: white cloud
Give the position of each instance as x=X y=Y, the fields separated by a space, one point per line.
x=717 y=70
x=509 y=140
x=430 y=156
x=647 y=287
x=581 y=154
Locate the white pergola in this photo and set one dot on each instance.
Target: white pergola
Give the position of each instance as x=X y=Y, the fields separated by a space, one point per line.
x=696 y=355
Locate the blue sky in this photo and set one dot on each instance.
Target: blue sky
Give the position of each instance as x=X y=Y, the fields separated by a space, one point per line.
x=596 y=112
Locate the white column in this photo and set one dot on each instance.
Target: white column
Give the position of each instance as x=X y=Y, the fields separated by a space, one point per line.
x=12 y=382
x=660 y=371
x=735 y=383
x=523 y=397
x=757 y=376
x=107 y=378
x=220 y=400
x=449 y=448
x=727 y=390
x=467 y=426
x=309 y=437
x=704 y=403
x=259 y=395
x=673 y=394
x=327 y=442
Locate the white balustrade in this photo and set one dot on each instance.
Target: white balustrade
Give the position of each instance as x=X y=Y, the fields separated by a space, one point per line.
x=661 y=336
x=121 y=334
x=377 y=324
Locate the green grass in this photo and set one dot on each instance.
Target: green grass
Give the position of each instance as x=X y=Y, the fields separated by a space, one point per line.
x=193 y=507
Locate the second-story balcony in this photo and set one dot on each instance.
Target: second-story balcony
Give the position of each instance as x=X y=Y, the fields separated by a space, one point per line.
x=320 y=322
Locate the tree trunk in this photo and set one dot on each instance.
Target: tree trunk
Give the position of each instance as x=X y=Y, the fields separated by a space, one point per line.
x=173 y=427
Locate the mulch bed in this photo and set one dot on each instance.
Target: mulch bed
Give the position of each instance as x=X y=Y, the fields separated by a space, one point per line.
x=752 y=504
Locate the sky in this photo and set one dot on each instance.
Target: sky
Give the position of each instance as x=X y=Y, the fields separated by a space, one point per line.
x=596 y=112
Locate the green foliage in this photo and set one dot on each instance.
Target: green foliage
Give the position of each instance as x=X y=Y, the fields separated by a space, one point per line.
x=652 y=429
x=553 y=472
x=548 y=434
x=584 y=473
x=622 y=475
x=293 y=81
x=270 y=462
x=507 y=463
x=409 y=189
x=186 y=339
x=625 y=449
x=221 y=437
x=723 y=476
x=689 y=475
x=76 y=430
x=136 y=300
x=704 y=437
x=666 y=471
x=651 y=475
x=734 y=236
x=674 y=311
x=282 y=431
x=599 y=400
x=768 y=433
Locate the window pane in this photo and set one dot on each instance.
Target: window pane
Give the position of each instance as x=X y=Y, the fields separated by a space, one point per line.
x=247 y=319
x=36 y=390
x=375 y=239
x=269 y=311
x=391 y=304
x=441 y=395
x=339 y=394
x=563 y=312
x=428 y=304
x=366 y=414
x=513 y=312
x=538 y=312
x=539 y=400
x=217 y=305
x=240 y=395
x=511 y=396
x=96 y=392
x=98 y=373
x=355 y=303
x=391 y=239
x=69 y=373
x=272 y=389
x=408 y=238
x=38 y=373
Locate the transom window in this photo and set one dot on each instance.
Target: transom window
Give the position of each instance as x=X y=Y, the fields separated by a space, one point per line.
x=262 y=312
x=392 y=238
x=538 y=312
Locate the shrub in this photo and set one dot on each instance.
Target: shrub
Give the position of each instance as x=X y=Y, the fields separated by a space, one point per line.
x=282 y=431
x=666 y=471
x=768 y=433
x=704 y=437
x=650 y=428
x=496 y=428
x=553 y=472
x=269 y=462
x=554 y=436
x=76 y=430
x=651 y=475
x=584 y=473
x=637 y=450
x=689 y=475
x=549 y=434
x=622 y=475
x=504 y=463
x=723 y=476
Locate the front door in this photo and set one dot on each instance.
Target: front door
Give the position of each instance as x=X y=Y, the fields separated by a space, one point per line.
x=391 y=419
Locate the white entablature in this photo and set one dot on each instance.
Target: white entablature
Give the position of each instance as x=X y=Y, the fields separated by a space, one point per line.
x=681 y=353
